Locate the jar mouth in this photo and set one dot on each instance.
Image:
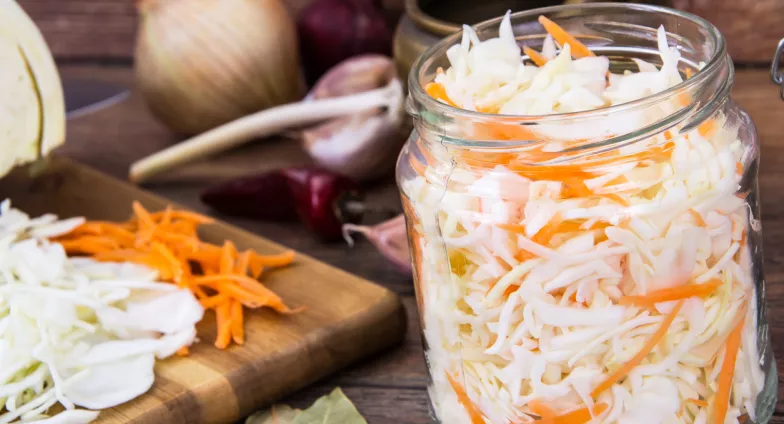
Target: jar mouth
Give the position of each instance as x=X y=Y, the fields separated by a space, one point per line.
x=416 y=76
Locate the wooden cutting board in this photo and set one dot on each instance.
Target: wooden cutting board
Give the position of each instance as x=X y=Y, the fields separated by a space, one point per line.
x=346 y=317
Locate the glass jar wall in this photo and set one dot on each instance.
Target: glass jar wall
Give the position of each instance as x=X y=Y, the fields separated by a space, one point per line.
x=599 y=265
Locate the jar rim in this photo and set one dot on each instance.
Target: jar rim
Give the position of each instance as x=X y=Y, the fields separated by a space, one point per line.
x=418 y=92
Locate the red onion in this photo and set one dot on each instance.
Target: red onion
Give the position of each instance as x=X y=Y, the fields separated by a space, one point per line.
x=333 y=30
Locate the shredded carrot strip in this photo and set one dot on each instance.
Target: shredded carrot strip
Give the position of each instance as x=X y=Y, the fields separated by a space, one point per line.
x=562 y=37
x=697 y=217
x=192 y=217
x=641 y=355
x=674 y=293
x=223 y=313
x=511 y=289
x=580 y=416
x=438 y=92
x=698 y=402
x=221 y=278
x=542 y=410
x=183 y=351
x=535 y=56
x=468 y=404
x=279 y=260
x=167 y=215
x=214 y=301
x=707 y=128
x=246 y=289
x=144 y=217
x=242 y=263
x=688 y=73
x=721 y=402
x=175 y=265
x=227 y=257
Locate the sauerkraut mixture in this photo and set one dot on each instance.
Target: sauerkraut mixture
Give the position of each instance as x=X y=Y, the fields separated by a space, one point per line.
x=621 y=292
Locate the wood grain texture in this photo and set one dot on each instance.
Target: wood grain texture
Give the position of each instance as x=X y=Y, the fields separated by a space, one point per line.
x=391 y=388
x=106 y=29
x=94 y=29
x=346 y=318
x=752 y=27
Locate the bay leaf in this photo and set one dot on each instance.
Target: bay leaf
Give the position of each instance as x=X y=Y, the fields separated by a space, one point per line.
x=277 y=414
x=334 y=408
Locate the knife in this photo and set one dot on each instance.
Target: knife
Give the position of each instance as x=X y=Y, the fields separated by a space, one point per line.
x=87 y=96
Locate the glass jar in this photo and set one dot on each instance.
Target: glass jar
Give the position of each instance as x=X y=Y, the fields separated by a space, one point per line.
x=603 y=262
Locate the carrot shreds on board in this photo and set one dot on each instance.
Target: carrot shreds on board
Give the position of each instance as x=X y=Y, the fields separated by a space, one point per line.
x=223 y=313
x=237 y=329
x=468 y=404
x=214 y=301
x=167 y=241
x=175 y=265
x=535 y=56
x=242 y=263
x=176 y=214
x=562 y=37
x=281 y=259
x=721 y=402
x=641 y=355
x=227 y=257
x=675 y=293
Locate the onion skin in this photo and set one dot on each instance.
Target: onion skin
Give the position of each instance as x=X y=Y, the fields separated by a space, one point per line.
x=202 y=63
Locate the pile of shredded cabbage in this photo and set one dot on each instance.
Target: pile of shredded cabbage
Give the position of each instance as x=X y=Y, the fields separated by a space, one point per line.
x=75 y=331
x=513 y=320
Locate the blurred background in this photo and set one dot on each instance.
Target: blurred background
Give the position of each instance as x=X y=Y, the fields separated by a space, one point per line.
x=168 y=70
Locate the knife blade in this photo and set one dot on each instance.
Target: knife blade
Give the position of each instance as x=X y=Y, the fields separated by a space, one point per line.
x=84 y=96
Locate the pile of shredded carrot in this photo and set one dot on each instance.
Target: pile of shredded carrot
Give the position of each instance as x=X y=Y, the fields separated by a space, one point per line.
x=222 y=278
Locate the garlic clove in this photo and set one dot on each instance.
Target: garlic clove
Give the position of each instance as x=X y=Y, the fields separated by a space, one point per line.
x=389 y=237
x=362 y=146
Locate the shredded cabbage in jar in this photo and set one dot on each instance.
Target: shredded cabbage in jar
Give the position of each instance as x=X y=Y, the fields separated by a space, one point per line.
x=629 y=300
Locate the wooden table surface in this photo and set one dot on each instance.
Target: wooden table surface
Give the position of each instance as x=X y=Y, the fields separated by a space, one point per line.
x=390 y=388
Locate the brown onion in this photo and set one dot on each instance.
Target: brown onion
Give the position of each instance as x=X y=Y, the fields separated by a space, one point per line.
x=203 y=63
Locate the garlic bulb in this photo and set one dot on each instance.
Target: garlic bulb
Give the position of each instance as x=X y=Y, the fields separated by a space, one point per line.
x=32 y=107
x=362 y=145
x=202 y=63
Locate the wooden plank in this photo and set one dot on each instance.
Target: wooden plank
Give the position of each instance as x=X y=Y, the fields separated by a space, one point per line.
x=94 y=29
x=346 y=318
x=752 y=27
